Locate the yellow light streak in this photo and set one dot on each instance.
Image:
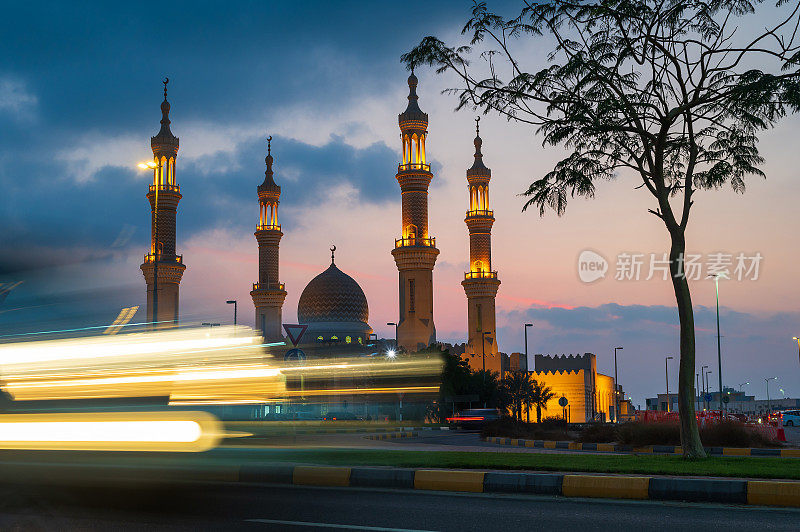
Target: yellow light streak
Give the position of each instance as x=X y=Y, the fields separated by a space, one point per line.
x=119 y=431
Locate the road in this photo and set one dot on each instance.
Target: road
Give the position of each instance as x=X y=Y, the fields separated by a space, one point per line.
x=265 y=507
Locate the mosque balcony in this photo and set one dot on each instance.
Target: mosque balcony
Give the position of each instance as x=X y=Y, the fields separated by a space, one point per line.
x=407 y=242
x=483 y=213
x=151 y=257
x=268 y=227
x=480 y=275
x=413 y=166
x=166 y=188
x=269 y=286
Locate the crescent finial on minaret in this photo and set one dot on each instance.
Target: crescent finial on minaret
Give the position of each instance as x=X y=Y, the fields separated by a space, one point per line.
x=333 y=250
x=166 y=80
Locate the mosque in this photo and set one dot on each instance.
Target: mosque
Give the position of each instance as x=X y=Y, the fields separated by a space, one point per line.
x=333 y=305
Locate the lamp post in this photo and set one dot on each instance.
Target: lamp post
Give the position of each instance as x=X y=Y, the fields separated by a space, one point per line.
x=526 y=343
x=484 y=336
x=616 y=387
x=743 y=384
x=769 y=406
x=666 y=374
x=716 y=277
x=396 y=347
x=708 y=386
x=233 y=302
x=703 y=383
x=795 y=338
x=696 y=392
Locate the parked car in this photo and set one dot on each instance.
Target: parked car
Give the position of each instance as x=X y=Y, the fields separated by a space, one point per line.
x=790 y=418
x=474 y=418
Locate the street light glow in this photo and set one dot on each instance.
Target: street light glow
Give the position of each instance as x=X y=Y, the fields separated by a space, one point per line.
x=391 y=353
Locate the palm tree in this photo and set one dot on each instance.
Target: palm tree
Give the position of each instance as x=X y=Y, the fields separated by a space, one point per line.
x=540 y=395
x=517 y=385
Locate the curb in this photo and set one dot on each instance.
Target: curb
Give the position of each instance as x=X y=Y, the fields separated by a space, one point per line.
x=751 y=492
x=393 y=435
x=350 y=431
x=652 y=449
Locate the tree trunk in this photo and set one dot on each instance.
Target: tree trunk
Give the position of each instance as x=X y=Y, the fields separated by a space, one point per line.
x=538 y=413
x=690 y=435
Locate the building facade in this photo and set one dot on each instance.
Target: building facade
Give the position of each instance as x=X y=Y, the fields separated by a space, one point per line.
x=162 y=267
x=415 y=251
x=269 y=293
x=480 y=282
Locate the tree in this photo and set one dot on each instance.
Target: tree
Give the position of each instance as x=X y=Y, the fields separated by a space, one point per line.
x=670 y=91
x=517 y=386
x=540 y=395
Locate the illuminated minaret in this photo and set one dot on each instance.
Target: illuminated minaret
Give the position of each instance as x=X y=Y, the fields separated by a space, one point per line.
x=480 y=282
x=415 y=253
x=162 y=267
x=268 y=293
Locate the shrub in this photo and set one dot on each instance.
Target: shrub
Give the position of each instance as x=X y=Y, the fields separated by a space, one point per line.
x=599 y=433
x=641 y=434
x=729 y=433
x=509 y=428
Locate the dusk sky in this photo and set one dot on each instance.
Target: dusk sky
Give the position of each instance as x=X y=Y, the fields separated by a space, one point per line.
x=80 y=91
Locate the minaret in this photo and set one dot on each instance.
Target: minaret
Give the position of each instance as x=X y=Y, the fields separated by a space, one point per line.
x=268 y=293
x=162 y=267
x=415 y=252
x=480 y=282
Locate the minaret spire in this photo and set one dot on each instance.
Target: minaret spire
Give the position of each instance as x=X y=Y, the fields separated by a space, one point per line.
x=415 y=251
x=333 y=250
x=480 y=282
x=163 y=267
x=268 y=293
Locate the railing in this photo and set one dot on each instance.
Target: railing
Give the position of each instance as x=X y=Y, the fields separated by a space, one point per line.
x=413 y=166
x=266 y=227
x=480 y=275
x=405 y=242
x=151 y=257
x=168 y=188
x=480 y=213
x=268 y=286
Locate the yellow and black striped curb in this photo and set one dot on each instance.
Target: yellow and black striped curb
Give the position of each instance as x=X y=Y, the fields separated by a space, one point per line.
x=290 y=431
x=654 y=449
x=392 y=435
x=754 y=492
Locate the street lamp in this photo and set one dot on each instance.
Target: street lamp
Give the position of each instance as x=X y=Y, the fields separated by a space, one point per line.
x=666 y=373
x=716 y=277
x=396 y=346
x=769 y=406
x=795 y=338
x=703 y=382
x=616 y=387
x=708 y=386
x=233 y=302
x=743 y=384
x=484 y=337
x=526 y=343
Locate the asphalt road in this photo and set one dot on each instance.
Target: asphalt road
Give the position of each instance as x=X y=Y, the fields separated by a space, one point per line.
x=264 y=507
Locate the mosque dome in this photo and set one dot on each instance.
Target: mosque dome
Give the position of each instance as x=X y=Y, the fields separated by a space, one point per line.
x=332 y=296
x=334 y=307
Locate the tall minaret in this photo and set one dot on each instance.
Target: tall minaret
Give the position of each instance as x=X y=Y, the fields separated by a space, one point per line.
x=415 y=253
x=480 y=282
x=268 y=293
x=162 y=267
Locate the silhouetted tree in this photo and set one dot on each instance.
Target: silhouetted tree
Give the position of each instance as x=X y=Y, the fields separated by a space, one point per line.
x=517 y=385
x=671 y=91
x=540 y=395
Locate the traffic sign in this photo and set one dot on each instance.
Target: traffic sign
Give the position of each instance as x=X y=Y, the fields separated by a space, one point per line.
x=726 y=399
x=294 y=354
x=563 y=402
x=707 y=397
x=294 y=332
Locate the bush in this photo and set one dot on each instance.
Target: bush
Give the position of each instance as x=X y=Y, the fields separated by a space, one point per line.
x=509 y=428
x=641 y=434
x=733 y=434
x=598 y=433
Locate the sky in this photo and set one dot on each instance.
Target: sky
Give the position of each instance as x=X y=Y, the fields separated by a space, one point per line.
x=80 y=89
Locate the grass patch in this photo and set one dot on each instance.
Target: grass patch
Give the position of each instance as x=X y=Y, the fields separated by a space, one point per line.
x=744 y=467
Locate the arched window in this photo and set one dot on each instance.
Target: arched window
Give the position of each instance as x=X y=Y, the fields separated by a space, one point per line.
x=334 y=338
x=348 y=340
x=360 y=341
